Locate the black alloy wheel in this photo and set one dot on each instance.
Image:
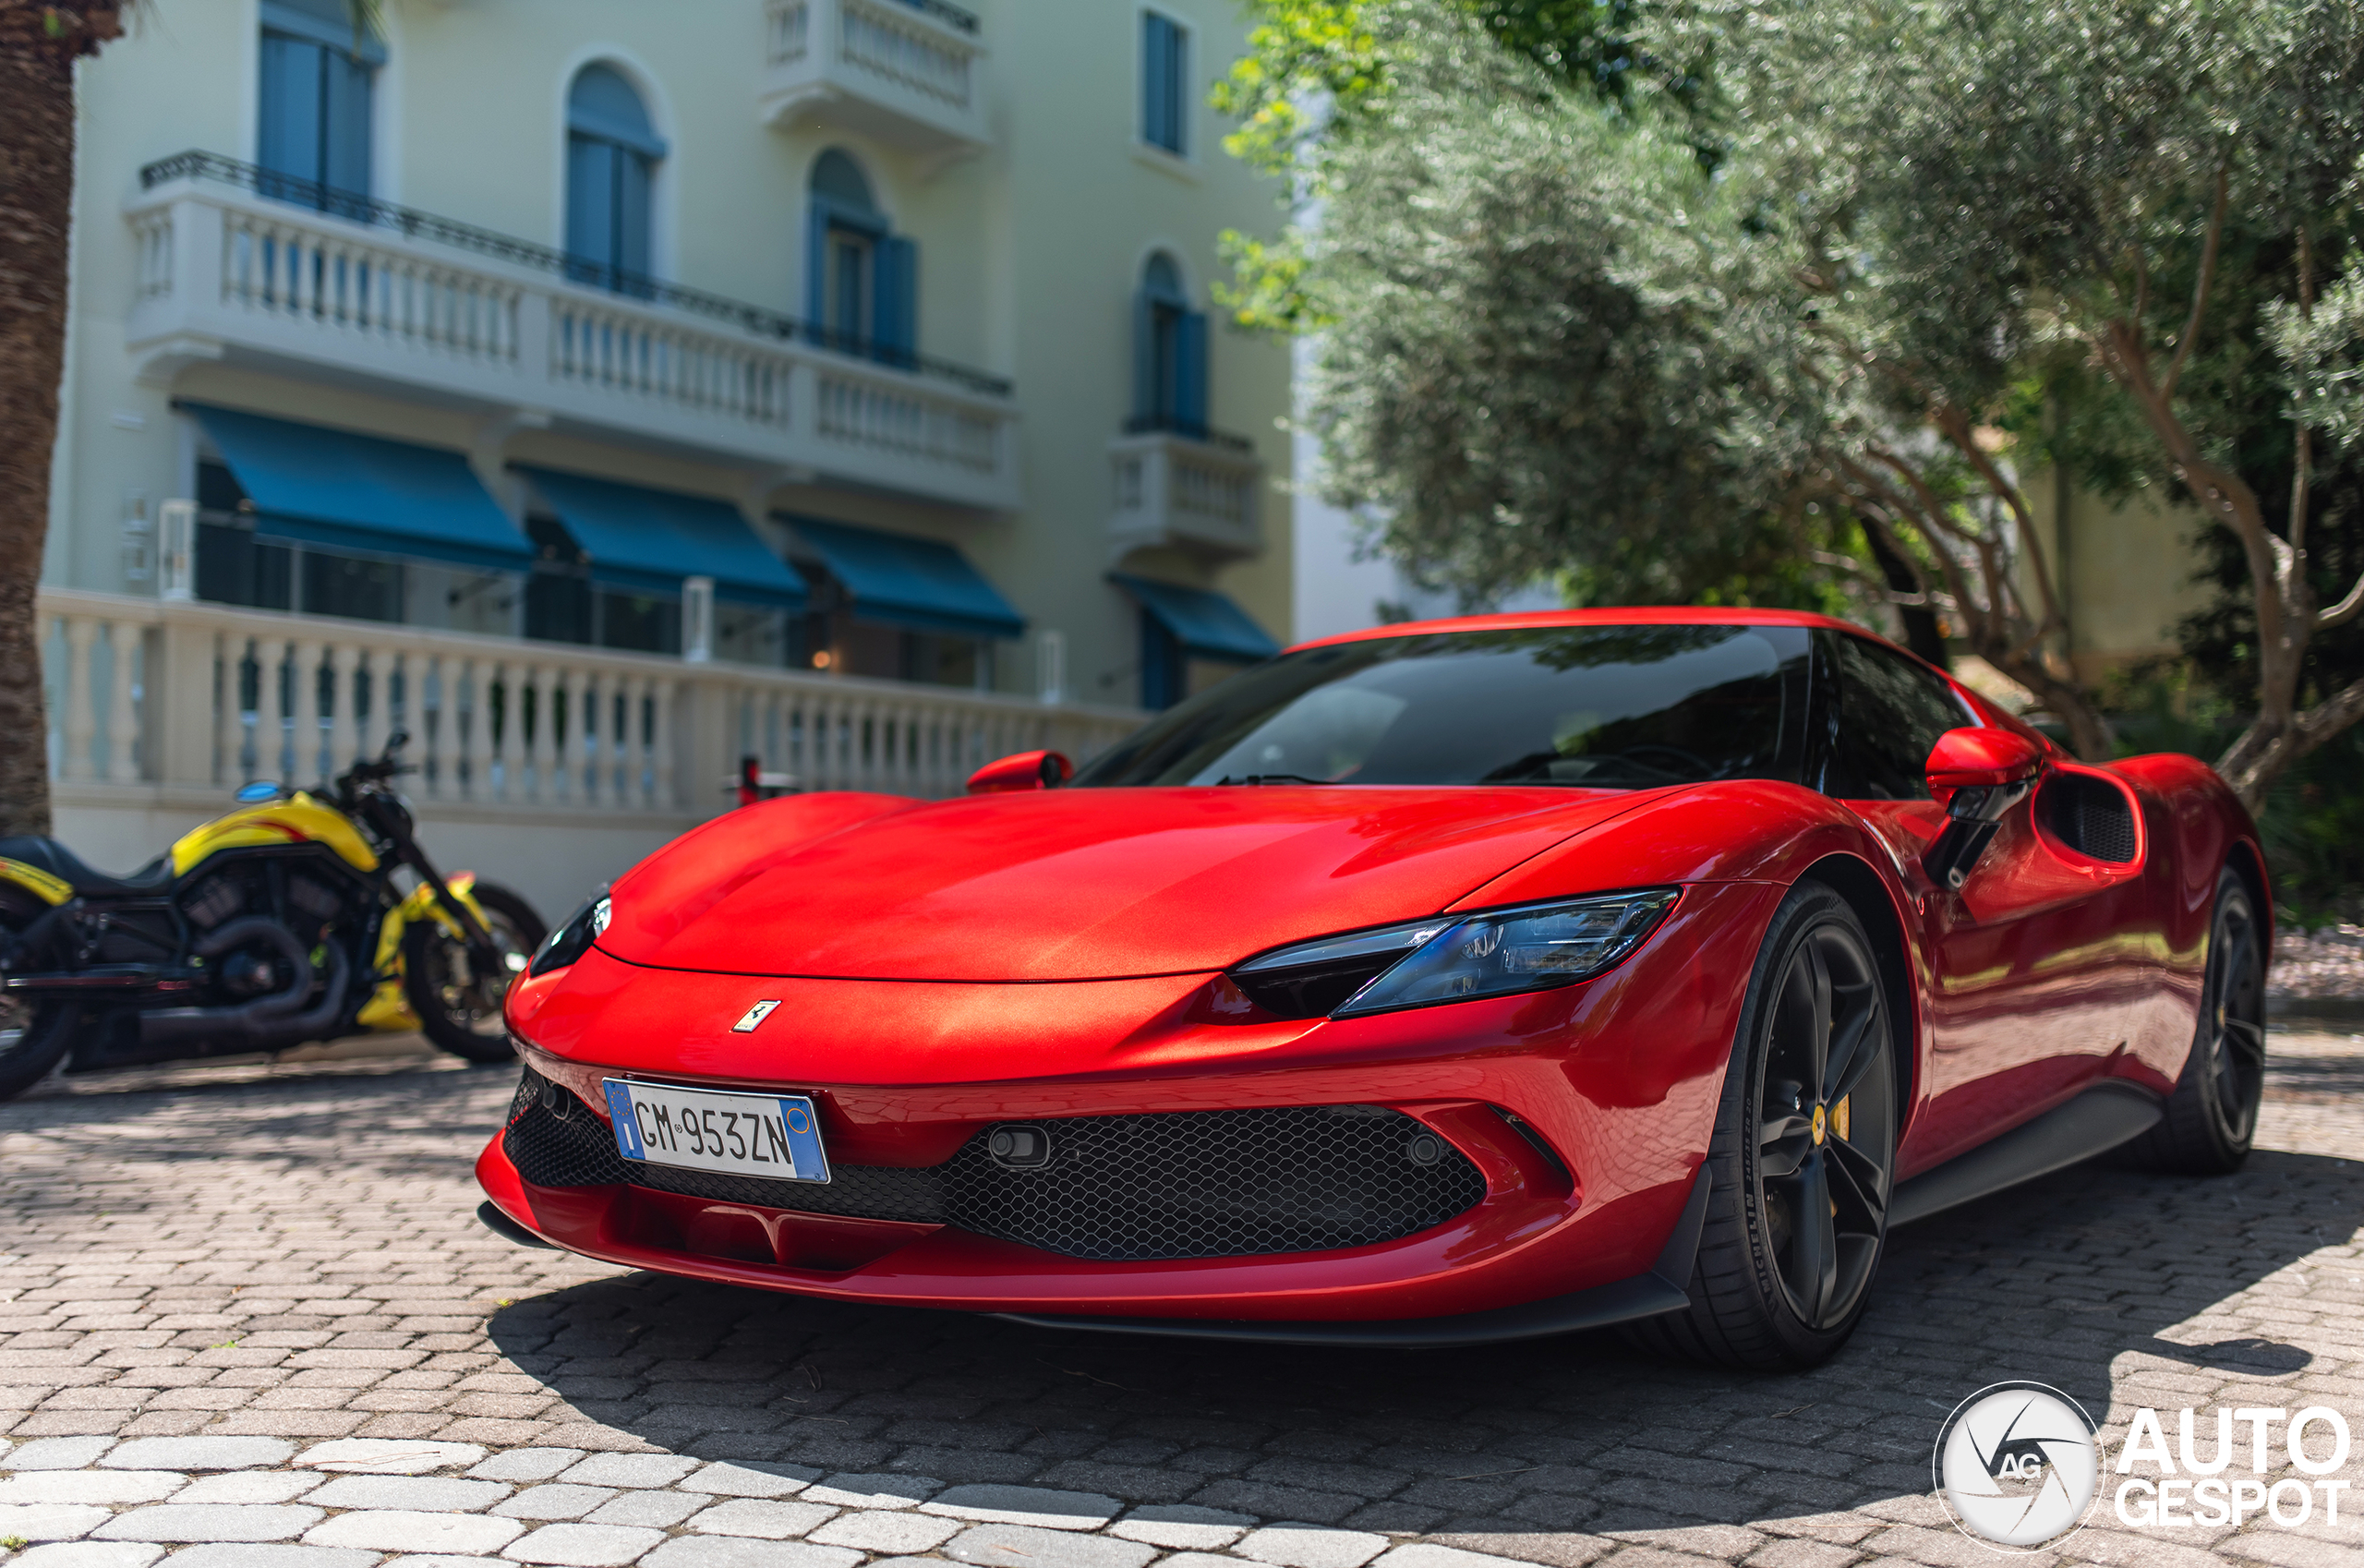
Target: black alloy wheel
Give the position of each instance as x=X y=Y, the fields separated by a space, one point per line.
x=1826 y=1139
x=2210 y=1118
x=1802 y=1162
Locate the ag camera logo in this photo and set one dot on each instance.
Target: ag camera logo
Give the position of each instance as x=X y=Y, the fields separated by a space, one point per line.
x=2018 y=1466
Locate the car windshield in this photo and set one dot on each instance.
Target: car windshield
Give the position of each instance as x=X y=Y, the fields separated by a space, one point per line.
x=1616 y=707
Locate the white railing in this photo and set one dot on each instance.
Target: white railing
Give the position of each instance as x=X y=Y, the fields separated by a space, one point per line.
x=206 y=697
x=886 y=67
x=1174 y=490
x=352 y=286
x=601 y=348
x=860 y=410
x=892 y=42
x=222 y=273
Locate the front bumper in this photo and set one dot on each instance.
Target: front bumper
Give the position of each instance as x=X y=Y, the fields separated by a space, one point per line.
x=1585 y=1112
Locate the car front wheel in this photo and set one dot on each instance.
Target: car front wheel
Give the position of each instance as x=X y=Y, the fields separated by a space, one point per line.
x=1803 y=1160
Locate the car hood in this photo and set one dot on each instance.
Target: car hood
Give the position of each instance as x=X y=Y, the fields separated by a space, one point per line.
x=1073 y=884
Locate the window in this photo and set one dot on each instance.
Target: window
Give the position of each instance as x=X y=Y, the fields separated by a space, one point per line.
x=317 y=65
x=1165 y=75
x=1890 y=713
x=1592 y=708
x=611 y=157
x=1169 y=355
x=863 y=280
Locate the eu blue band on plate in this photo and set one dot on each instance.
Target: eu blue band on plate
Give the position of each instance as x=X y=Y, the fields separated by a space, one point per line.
x=627 y=1123
x=804 y=1140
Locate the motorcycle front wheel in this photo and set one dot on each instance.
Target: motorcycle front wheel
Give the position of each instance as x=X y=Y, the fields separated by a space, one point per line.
x=459 y=1009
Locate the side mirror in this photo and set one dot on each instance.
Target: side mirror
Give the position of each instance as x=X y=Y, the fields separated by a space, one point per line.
x=1026 y=770
x=1980 y=759
x=1979 y=775
x=396 y=741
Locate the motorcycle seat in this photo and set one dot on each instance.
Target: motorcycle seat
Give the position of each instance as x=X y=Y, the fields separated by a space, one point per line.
x=49 y=855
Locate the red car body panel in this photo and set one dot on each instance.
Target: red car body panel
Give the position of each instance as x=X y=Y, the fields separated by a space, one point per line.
x=943 y=967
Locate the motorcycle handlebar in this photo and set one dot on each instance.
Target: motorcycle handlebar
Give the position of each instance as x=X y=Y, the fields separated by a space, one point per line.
x=385 y=767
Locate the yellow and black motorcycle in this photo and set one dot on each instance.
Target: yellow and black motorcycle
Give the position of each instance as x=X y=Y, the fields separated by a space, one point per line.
x=282 y=923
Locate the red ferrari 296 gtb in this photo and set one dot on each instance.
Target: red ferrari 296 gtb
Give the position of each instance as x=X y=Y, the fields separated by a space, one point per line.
x=1439 y=984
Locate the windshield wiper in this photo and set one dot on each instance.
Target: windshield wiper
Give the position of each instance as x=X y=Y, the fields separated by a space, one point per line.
x=1271 y=778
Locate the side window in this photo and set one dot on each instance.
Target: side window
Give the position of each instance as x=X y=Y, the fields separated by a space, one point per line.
x=1890 y=714
x=1166 y=77
x=319 y=63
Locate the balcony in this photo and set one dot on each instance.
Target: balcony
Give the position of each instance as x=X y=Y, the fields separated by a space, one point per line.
x=1196 y=491
x=906 y=72
x=386 y=298
x=145 y=700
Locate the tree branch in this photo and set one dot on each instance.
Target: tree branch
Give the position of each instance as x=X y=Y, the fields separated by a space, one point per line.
x=2200 y=286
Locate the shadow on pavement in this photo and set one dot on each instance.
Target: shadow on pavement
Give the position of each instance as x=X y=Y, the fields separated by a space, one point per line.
x=2097 y=1281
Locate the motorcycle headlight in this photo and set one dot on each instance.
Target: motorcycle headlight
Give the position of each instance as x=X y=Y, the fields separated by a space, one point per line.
x=574 y=939
x=1453 y=957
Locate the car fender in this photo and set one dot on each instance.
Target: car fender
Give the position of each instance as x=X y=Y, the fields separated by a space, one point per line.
x=1743 y=830
x=2196 y=825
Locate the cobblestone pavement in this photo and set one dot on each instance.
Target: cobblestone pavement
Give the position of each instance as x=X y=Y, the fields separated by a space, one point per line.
x=253 y=1323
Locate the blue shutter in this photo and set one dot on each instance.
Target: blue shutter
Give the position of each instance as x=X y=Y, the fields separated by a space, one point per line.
x=1157 y=75
x=1190 y=372
x=816 y=265
x=590 y=207
x=346 y=139
x=894 y=288
x=1162 y=665
x=290 y=142
x=632 y=244
x=1145 y=377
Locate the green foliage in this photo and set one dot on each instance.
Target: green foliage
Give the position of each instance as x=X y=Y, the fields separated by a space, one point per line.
x=1317 y=73
x=1533 y=366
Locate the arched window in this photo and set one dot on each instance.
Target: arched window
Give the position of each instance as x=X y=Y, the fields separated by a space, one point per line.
x=861 y=280
x=318 y=67
x=1169 y=353
x=611 y=157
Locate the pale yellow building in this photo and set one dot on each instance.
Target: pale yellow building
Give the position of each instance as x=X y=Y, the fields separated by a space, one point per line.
x=2124 y=572
x=605 y=390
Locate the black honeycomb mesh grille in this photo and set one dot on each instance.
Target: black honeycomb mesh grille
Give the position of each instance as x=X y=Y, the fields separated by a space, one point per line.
x=1167 y=1185
x=2090 y=818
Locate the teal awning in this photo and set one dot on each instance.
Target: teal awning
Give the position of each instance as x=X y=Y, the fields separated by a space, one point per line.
x=1207 y=624
x=901 y=581
x=313 y=486
x=647 y=541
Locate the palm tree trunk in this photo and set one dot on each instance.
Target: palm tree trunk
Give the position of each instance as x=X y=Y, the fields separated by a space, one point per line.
x=38 y=46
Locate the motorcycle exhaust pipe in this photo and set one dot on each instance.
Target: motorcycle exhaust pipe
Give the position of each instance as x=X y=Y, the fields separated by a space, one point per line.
x=267 y=1023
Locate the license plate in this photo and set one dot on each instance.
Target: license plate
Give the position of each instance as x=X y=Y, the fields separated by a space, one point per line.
x=711 y=1129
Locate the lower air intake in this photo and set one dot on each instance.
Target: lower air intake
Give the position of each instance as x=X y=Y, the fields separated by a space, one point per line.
x=1180 y=1184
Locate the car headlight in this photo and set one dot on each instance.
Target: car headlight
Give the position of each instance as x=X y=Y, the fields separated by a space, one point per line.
x=1453 y=957
x=574 y=939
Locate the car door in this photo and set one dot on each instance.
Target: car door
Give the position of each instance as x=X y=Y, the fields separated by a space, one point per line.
x=2037 y=963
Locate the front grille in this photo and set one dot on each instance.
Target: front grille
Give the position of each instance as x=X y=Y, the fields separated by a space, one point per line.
x=1178 y=1184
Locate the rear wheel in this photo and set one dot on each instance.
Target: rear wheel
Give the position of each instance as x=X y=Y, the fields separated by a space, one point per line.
x=2212 y=1116
x=1804 y=1155
x=458 y=1007
x=33 y=1038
